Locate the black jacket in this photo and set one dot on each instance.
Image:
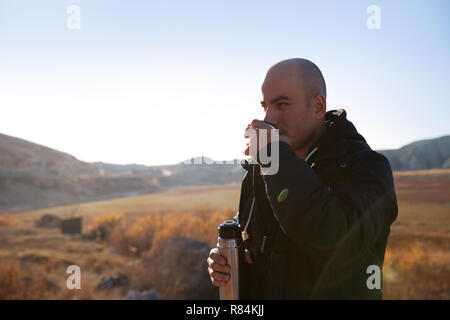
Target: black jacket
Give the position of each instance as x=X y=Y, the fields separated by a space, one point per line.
x=327 y=227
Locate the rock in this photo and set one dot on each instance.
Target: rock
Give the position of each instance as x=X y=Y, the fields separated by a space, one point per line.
x=109 y=282
x=151 y=294
x=52 y=286
x=134 y=251
x=181 y=264
x=111 y=250
x=72 y=225
x=34 y=258
x=64 y=263
x=49 y=221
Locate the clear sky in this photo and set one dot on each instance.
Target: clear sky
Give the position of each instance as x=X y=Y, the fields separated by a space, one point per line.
x=157 y=82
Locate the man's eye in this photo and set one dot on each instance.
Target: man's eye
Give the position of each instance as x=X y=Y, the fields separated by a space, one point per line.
x=281 y=104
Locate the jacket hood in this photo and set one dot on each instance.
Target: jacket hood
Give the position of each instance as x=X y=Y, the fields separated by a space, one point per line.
x=338 y=128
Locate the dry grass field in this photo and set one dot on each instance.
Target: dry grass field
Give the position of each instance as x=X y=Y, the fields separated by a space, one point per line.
x=417 y=262
x=126 y=238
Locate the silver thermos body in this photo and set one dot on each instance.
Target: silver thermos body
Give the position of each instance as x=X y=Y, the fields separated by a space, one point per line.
x=229 y=245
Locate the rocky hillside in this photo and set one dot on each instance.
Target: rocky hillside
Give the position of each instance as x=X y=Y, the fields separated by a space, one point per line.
x=419 y=155
x=33 y=176
x=22 y=158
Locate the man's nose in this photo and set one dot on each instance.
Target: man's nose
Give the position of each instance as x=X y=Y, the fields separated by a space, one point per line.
x=271 y=117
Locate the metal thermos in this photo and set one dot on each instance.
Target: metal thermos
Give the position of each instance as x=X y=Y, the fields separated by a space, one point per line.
x=229 y=245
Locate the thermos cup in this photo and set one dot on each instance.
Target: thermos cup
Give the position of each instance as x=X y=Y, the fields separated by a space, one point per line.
x=230 y=246
x=271 y=125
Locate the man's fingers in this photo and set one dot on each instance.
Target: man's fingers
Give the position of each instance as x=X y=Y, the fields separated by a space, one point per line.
x=214 y=250
x=256 y=125
x=220 y=268
x=260 y=124
x=218 y=283
x=217 y=268
x=219 y=276
x=248 y=132
x=218 y=258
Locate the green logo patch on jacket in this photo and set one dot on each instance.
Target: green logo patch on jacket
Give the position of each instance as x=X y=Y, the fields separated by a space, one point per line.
x=283 y=195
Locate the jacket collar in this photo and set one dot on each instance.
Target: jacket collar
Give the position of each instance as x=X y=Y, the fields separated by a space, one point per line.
x=338 y=136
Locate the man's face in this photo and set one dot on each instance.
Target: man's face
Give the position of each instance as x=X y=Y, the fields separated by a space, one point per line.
x=286 y=106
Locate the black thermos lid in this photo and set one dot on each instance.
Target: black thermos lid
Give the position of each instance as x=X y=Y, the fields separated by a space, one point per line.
x=229 y=229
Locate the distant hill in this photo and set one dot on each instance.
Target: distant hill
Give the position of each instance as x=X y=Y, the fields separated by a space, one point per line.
x=33 y=176
x=419 y=155
x=199 y=171
x=22 y=158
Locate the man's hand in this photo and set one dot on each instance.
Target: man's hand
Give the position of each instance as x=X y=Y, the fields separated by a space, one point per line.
x=218 y=270
x=257 y=125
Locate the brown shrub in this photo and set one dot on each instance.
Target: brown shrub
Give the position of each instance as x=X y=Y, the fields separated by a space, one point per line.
x=100 y=263
x=103 y=225
x=18 y=283
x=415 y=272
x=9 y=221
x=152 y=231
x=140 y=235
x=201 y=224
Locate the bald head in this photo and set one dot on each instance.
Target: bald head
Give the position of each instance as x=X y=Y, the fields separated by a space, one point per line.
x=311 y=79
x=294 y=100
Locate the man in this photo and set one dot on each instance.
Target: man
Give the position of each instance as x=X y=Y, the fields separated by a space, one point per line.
x=319 y=226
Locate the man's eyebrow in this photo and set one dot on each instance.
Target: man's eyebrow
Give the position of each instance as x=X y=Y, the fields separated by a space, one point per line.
x=275 y=100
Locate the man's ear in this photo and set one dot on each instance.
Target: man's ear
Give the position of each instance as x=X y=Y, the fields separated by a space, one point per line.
x=320 y=106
